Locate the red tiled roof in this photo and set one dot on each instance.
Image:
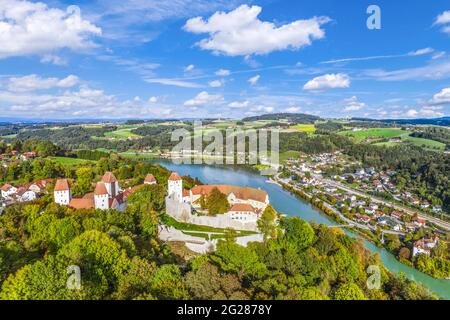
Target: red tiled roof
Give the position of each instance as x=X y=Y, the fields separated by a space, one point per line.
x=242 y=207
x=84 y=203
x=150 y=178
x=62 y=185
x=239 y=192
x=109 y=177
x=186 y=193
x=89 y=196
x=174 y=177
x=6 y=187
x=100 y=189
x=21 y=191
x=132 y=190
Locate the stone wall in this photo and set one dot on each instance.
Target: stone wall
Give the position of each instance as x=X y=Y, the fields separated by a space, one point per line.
x=182 y=212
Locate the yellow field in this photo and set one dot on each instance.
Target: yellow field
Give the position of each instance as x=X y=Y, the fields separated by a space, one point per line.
x=304 y=128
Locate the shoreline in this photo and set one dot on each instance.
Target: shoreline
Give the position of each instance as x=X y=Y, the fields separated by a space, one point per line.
x=355 y=229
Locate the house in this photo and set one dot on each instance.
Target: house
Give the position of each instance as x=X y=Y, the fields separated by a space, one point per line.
x=24 y=195
x=28 y=156
x=397 y=215
x=39 y=186
x=424 y=246
x=150 y=179
x=243 y=212
x=437 y=209
x=390 y=222
x=8 y=191
x=395 y=139
x=419 y=222
x=362 y=218
x=425 y=205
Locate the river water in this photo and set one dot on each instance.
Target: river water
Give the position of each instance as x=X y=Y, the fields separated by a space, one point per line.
x=286 y=203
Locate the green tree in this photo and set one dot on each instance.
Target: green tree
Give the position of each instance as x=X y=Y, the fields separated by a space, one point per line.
x=217 y=202
x=349 y=291
x=267 y=223
x=168 y=284
x=85 y=178
x=298 y=232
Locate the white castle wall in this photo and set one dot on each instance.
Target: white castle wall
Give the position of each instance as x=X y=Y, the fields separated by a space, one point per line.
x=183 y=213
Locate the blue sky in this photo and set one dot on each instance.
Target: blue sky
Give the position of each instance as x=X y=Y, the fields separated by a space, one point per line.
x=199 y=58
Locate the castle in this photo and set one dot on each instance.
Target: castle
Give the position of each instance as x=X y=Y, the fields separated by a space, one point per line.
x=247 y=204
x=107 y=194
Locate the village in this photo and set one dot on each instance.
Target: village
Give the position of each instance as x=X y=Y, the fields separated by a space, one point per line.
x=350 y=196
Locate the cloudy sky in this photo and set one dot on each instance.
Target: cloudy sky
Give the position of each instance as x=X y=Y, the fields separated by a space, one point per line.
x=64 y=59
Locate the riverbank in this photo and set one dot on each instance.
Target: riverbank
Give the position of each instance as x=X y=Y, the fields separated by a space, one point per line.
x=290 y=205
x=363 y=230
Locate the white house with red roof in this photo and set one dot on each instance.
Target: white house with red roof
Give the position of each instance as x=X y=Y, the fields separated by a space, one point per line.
x=424 y=246
x=8 y=191
x=150 y=179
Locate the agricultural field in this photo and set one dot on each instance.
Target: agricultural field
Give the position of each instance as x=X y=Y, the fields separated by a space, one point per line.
x=288 y=154
x=123 y=133
x=308 y=128
x=69 y=161
x=374 y=133
x=388 y=133
x=426 y=143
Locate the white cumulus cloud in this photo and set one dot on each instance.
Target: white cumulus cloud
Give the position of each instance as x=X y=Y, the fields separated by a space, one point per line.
x=216 y=83
x=240 y=32
x=29 y=28
x=328 y=81
x=202 y=99
x=34 y=82
x=352 y=104
x=239 y=104
x=442 y=97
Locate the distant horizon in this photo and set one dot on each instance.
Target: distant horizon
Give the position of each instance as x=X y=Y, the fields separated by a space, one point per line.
x=79 y=120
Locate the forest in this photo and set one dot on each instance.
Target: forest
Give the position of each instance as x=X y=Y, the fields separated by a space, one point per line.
x=120 y=257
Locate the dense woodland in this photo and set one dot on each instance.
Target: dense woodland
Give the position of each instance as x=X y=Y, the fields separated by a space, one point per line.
x=120 y=257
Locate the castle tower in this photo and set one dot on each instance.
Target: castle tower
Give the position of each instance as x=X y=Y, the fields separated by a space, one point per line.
x=62 y=192
x=101 y=197
x=175 y=187
x=111 y=184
